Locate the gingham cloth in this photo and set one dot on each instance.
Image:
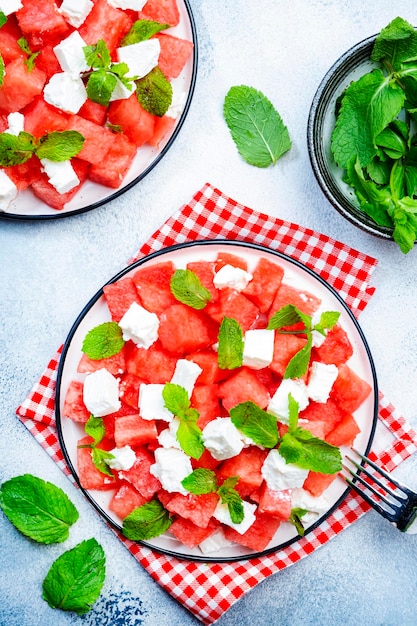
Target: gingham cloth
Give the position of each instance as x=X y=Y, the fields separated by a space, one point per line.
x=209 y=589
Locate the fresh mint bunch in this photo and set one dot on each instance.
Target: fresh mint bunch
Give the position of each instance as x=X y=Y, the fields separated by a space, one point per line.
x=103 y=341
x=289 y=315
x=55 y=146
x=203 y=480
x=374 y=139
x=187 y=288
x=189 y=435
x=257 y=129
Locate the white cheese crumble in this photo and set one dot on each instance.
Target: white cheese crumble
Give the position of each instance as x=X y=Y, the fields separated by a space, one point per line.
x=322 y=377
x=279 y=474
x=167 y=438
x=8 y=191
x=139 y=325
x=66 y=92
x=76 y=11
x=61 y=174
x=140 y=57
x=70 y=54
x=185 y=374
x=10 y=6
x=232 y=277
x=278 y=404
x=258 y=348
x=171 y=467
x=124 y=458
x=133 y=5
x=121 y=91
x=222 y=438
x=217 y=541
x=316 y=506
x=16 y=123
x=101 y=393
x=221 y=513
x=179 y=98
x=151 y=403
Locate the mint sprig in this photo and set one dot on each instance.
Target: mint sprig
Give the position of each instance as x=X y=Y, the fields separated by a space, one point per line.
x=142 y=30
x=104 y=74
x=255 y=423
x=154 y=92
x=202 y=481
x=146 y=521
x=189 y=435
x=103 y=341
x=31 y=56
x=256 y=126
x=37 y=508
x=96 y=429
x=296 y=520
x=289 y=315
x=230 y=348
x=75 y=579
x=55 y=146
x=187 y=288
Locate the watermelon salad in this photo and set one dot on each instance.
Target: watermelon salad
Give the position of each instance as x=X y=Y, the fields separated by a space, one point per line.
x=201 y=405
x=103 y=78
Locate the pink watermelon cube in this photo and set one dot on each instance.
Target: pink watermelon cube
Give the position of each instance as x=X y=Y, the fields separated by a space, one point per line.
x=119 y=158
x=183 y=330
x=136 y=123
x=119 y=296
x=20 y=86
x=243 y=386
x=125 y=500
x=132 y=430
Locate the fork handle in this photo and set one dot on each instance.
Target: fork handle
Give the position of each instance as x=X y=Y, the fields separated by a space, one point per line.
x=409 y=524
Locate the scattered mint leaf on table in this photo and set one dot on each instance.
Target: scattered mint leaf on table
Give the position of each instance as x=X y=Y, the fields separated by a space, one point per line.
x=75 y=579
x=256 y=126
x=187 y=288
x=103 y=341
x=37 y=508
x=146 y=521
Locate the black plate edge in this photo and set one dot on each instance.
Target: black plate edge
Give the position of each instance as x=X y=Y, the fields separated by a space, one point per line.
x=138 y=263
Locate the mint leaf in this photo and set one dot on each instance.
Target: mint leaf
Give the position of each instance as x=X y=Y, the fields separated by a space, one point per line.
x=154 y=92
x=302 y=449
x=103 y=341
x=15 y=150
x=231 y=497
x=95 y=428
x=146 y=521
x=288 y=315
x=230 y=349
x=327 y=320
x=186 y=287
x=189 y=435
x=32 y=56
x=98 y=56
x=38 y=509
x=75 y=579
x=100 y=86
x=60 y=145
x=295 y=519
x=3 y=19
x=142 y=30
x=298 y=364
x=293 y=408
x=255 y=423
x=99 y=458
x=200 y=481
x=2 y=70
x=367 y=107
x=395 y=44
x=255 y=126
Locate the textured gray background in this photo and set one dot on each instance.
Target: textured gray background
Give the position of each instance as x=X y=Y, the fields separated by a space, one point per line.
x=366 y=575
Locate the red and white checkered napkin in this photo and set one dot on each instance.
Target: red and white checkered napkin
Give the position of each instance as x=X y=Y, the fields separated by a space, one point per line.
x=209 y=589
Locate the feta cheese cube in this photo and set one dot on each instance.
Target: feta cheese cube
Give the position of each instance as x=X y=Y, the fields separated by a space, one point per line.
x=278 y=404
x=185 y=374
x=101 y=393
x=279 y=474
x=232 y=277
x=133 y=5
x=322 y=377
x=151 y=403
x=61 y=174
x=140 y=57
x=179 y=98
x=124 y=458
x=76 y=11
x=10 y=6
x=221 y=513
x=8 y=191
x=216 y=542
x=70 y=54
x=139 y=325
x=16 y=122
x=171 y=467
x=167 y=438
x=66 y=92
x=222 y=438
x=121 y=92
x=258 y=348
x=316 y=506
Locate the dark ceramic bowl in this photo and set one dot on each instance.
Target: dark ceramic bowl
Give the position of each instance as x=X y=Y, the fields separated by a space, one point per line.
x=349 y=67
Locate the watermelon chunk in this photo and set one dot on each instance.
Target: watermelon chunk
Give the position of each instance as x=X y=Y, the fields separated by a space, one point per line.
x=152 y=365
x=183 y=330
x=285 y=347
x=114 y=364
x=316 y=482
x=205 y=271
x=197 y=509
x=136 y=123
x=119 y=296
x=97 y=139
x=20 y=86
x=303 y=300
x=74 y=407
x=132 y=430
x=267 y=278
x=205 y=400
x=89 y=476
x=234 y=304
x=129 y=389
x=243 y=386
x=189 y=534
x=276 y=503
x=209 y=363
x=41 y=23
x=328 y=414
x=24 y=174
x=344 y=433
x=247 y=465
x=162 y=127
x=93 y=111
x=43 y=189
x=163 y=11
x=152 y=284
x=139 y=475
x=227 y=258
x=125 y=500
x=41 y=118
x=116 y=165
x=105 y=22
x=174 y=54
x=335 y=349
x=349 y=390
x=259 y=535
x=9 y=34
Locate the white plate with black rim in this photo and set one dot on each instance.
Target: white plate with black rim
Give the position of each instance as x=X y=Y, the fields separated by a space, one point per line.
x=96 y=312
x=92 y=195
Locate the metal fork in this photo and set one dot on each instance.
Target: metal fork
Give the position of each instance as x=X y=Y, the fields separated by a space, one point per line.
x=383 y=493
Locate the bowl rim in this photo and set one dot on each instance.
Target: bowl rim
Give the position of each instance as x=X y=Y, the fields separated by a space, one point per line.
x=357 y=53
